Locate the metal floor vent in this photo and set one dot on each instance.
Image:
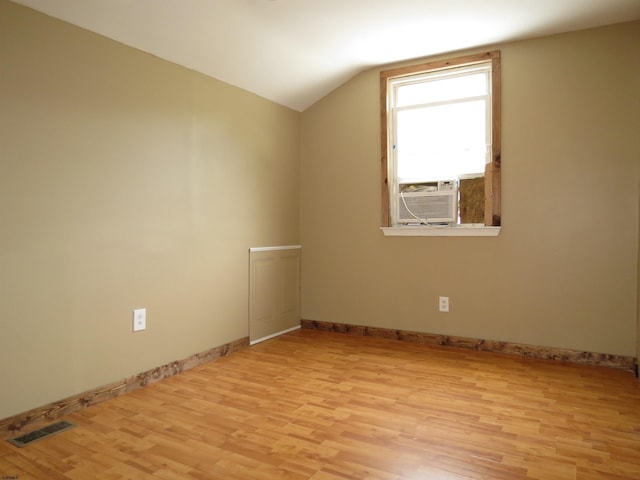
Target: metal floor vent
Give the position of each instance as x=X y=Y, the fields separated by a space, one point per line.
x=44 y=432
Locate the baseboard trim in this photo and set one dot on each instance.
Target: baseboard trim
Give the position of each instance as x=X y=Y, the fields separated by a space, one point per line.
x=17 y=424
x=545 y=353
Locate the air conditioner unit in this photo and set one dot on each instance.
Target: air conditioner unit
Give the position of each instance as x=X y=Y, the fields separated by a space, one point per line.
x=432 y=207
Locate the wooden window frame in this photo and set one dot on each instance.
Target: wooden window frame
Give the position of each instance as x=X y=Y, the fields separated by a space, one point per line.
x=492 y=177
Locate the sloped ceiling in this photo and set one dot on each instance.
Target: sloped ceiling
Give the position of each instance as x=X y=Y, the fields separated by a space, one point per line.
x=294 y=52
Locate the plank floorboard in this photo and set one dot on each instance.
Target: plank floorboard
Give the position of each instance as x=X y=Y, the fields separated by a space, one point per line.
x=316 y=405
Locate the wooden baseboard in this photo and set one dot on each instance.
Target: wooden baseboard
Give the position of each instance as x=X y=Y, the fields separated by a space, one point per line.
x=546 y=353
x=34 y=418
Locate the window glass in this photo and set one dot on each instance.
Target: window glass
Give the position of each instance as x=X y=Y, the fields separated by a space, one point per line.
x=441 y=89
x=442 y=141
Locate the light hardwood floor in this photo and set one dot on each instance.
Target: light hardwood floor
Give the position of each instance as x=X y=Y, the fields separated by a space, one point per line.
x=326 y=406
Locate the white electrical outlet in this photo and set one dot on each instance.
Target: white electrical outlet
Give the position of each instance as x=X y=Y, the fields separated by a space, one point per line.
x=443 y=304
x=139 y=319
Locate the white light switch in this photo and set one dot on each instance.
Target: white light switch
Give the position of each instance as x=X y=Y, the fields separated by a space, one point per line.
x=139 y=319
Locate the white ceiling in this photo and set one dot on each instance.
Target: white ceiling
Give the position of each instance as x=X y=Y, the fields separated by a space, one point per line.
x=296 y=51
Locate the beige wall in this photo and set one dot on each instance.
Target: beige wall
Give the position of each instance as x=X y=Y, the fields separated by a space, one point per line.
x=563 y=270
x=125 y=182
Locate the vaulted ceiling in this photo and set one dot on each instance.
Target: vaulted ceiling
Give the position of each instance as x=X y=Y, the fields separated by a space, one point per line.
x=294 y=52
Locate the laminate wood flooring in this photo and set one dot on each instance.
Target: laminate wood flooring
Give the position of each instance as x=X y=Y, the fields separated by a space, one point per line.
x=326 y=406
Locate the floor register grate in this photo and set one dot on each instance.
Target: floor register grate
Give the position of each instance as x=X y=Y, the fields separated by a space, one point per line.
x=44 y=432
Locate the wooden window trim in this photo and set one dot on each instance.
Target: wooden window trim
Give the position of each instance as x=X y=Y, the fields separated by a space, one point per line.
x=492 y=211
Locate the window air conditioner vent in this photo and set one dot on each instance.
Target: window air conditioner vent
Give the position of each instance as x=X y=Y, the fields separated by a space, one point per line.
x=431 y=207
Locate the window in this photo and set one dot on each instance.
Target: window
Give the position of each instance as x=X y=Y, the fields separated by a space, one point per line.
x=441 y=143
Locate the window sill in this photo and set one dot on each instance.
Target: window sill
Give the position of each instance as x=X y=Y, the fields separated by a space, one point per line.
x=442 y=231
